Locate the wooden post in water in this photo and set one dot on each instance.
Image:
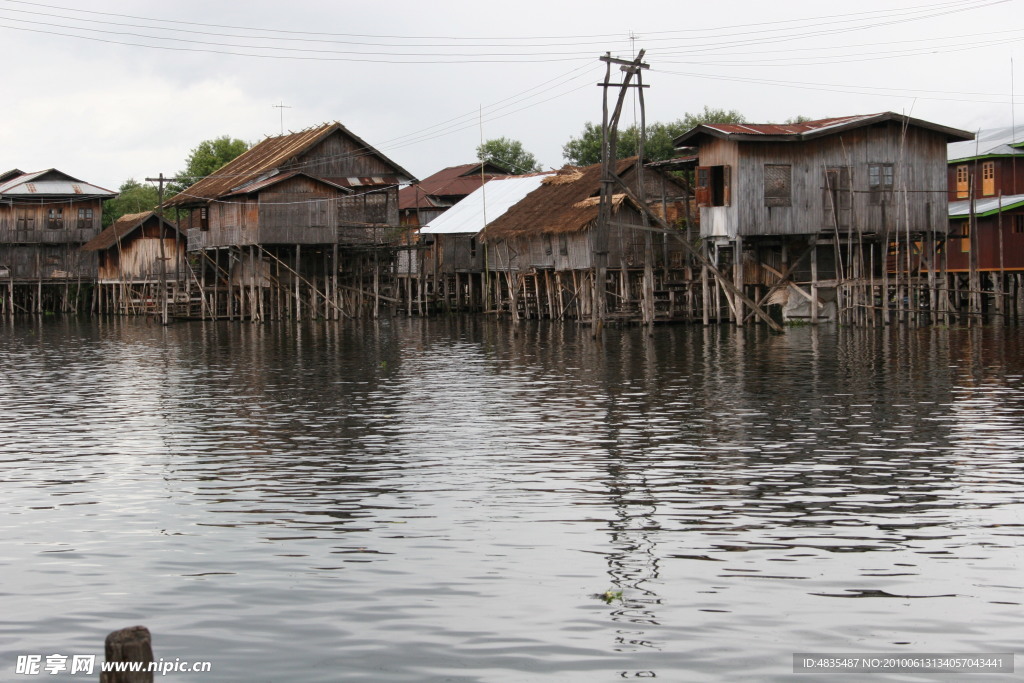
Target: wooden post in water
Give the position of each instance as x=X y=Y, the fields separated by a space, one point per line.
x=132 y=644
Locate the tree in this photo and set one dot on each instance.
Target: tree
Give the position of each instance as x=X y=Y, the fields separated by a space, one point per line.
x=799 y=118
x=586 y=149
x=133 y=197
x=508 y=153
x=710 y=115
x=205 y=158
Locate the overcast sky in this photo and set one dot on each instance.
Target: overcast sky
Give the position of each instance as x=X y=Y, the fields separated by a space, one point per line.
x=107 y=90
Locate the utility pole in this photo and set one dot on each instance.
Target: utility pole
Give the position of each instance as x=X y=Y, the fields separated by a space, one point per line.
x=609 y=146
x=164 y=317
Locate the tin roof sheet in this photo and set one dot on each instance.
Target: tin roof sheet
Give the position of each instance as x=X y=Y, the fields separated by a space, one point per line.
x=124 y=226
x=807 y=130
x=494 y=198
x=50 y=183
x=281 y=177
x=454 y=181
x=1005 y=141
x=987 y=206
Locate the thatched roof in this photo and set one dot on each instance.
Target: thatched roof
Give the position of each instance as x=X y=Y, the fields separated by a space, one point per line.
x=124 y=226
x=565 y=202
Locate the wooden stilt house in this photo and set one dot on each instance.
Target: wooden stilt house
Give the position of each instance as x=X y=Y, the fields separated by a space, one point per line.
x=141 y=259
x=302 y=225
x=985 y=255
x=820 y=216
x=542 y=250
x=44 y=218
x=455 y=262
x=418 y=204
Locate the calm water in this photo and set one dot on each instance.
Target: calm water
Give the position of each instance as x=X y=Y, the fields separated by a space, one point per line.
x=445 y=500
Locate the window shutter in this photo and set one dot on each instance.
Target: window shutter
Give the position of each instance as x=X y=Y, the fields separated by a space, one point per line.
x=726 y=185
x=703 y=186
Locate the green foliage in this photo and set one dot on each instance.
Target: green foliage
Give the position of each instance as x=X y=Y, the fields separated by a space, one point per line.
x=799 y=118
x=586 y=149
x=133 y=197
x=206 y=158
x=508 y=153
x=710 y=115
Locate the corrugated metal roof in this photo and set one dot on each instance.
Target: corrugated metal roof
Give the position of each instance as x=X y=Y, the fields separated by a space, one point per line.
x=124 y=226
x=270 y=154
x=50 y=183
x=991 y=142
x=985 y=207
x=500 y=194
x=775 y=132
x=454 y=181
x=281 y=177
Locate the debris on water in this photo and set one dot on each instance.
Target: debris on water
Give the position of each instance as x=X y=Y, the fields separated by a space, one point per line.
x=609 y=596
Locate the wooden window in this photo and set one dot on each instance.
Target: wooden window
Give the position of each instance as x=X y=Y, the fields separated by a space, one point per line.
x=85 y=218
x=778 y=185
x=988 y=178
x=563 y=245
x=963 y=182
x=204 y=218
x=880 y=183
x=472 y=247
x=714 y=186
x=965 y=241
x=1018 y=224
x=55 y=218
x=836 y=196
x=26 y=220
x=547 y=245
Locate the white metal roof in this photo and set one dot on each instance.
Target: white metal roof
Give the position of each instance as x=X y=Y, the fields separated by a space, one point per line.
x=962 y=208
x=500 y=194
x=990 y=141
x=49 y=183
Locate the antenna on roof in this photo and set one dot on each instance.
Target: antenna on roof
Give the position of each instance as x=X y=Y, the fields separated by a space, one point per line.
x=282 y=106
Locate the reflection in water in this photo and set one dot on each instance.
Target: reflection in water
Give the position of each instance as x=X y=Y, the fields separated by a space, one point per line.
x=416 y=499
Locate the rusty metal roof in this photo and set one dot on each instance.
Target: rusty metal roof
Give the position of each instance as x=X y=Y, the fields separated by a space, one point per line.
x=50 y=183
x=124 y=226
x=273 y=153
x=258 y=185
x=452 y=182
x=808 y=130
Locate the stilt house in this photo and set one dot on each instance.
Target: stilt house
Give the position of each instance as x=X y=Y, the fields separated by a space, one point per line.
x=45 y=217
x=454 y=261
x=985 y=252
x=543 y=250
x=139 y=254
x=301 y=225
x=422 y=202
x=986 y=185
x=823 y=203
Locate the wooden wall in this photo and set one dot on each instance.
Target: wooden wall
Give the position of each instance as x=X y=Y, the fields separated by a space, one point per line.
x=1009 y=177
x=340 y=156
x=989 y=229
x=47 y=262
x=31 y=224
x=919 y=162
